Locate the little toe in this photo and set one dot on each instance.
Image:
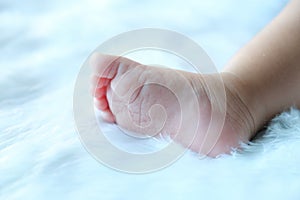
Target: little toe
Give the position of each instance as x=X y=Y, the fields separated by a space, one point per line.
x=101 y=104
x=108 y=116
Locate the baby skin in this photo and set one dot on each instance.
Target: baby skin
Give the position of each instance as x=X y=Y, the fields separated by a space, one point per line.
x=261 y=80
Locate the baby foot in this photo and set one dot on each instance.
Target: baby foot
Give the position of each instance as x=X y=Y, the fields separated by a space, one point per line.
x=144 y=99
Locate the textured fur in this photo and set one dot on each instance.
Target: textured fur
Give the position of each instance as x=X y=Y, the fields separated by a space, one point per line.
x=41 y=156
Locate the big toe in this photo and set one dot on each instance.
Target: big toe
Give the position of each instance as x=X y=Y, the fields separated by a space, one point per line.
x=107 y=66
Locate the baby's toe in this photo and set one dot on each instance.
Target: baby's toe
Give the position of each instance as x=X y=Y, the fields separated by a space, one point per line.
x=108 y=116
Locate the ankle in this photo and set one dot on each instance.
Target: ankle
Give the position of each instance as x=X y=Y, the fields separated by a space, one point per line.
x=245 y=102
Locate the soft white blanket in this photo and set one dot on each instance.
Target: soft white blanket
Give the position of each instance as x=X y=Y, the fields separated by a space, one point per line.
x=42 y=46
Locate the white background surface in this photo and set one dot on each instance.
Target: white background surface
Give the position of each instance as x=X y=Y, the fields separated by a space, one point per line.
x=42 y=46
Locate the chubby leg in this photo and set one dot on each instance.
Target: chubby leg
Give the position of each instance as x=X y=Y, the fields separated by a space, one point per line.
x=268 y=67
